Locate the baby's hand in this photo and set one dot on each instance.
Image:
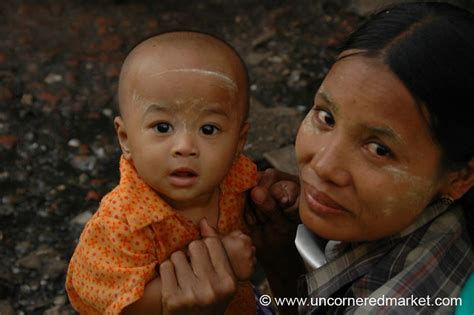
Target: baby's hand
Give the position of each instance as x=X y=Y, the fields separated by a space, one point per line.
x=241 y=253
x=239 y=249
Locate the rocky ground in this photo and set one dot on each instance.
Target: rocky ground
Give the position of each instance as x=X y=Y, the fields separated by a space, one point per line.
x=59 y=64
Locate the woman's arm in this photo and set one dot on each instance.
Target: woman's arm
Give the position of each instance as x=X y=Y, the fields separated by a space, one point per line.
x=273 y=221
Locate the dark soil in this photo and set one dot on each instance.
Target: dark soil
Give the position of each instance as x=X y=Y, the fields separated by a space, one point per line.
x=59 y=64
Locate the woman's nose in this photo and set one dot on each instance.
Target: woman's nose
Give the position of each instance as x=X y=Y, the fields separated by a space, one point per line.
x=184 y=145
x=330 y=164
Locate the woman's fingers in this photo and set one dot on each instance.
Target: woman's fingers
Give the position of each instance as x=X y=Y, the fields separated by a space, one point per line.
x=275 y=198
x=261 y=207
x=263 y=200
x=204 y=284
x=168 y=278
x=200 y=260
x=216 y=282
x=170 y=291
x=275 y=190
x=218 y=256
x=285 y=192
x=184 y=273
x=270 y=176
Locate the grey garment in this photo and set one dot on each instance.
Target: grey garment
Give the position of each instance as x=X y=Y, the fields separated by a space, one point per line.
x=430 y=259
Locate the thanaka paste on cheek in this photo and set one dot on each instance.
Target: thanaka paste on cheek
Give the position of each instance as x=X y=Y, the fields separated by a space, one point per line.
x=308 y=127
x=417 y=190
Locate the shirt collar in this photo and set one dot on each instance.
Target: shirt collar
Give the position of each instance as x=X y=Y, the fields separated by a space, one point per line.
x=359 y=258
x=146 y=206
x=241 y=177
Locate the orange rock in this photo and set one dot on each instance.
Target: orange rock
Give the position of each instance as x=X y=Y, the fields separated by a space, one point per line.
x=48 y=98
x=3 y=57
x=8 y=141
x=111 y=43
x=92 y=195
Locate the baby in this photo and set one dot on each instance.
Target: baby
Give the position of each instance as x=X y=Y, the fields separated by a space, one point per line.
x=183 y=103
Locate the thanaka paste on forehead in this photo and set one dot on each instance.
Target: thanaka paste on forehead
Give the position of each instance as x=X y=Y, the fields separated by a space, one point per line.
x=194 y=106
x=231 y=83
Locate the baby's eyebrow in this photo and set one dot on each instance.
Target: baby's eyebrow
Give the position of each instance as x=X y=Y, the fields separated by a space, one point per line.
x=155 y=108
x=216 y=111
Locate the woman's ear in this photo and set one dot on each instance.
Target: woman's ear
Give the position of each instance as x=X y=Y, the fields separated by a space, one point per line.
x=459 y=182
x=122 y=137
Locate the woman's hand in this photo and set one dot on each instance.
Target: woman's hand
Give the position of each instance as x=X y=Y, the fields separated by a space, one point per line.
x=204 y=284
x=239 y=249
x=273 y=215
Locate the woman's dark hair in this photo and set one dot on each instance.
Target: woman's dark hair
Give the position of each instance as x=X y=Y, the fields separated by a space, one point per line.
x=430 y=47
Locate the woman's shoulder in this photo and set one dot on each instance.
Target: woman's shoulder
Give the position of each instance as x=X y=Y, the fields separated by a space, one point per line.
x=432 y=263
x=434 y=260
x=444 y=239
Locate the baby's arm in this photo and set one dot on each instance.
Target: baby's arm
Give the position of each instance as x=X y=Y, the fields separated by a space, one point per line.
x=150 y=302
x=241 y=254
x=239 y=249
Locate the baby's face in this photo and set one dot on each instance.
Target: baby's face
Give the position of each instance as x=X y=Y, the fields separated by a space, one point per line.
x=184 y=130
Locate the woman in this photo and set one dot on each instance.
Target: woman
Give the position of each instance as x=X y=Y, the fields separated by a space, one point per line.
x=386 y=159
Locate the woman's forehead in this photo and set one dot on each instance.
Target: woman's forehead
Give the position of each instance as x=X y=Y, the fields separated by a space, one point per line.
x=363 y=81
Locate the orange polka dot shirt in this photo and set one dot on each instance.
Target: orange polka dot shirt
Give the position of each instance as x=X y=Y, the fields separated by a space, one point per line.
x=134 y=230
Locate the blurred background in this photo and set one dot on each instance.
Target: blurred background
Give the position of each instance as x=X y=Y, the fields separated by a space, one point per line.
x=59 y=65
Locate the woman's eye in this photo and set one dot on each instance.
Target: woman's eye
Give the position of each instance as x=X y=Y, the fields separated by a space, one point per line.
x=379 y=149
x=325 y=117
x=163 y=127
x=209 y=130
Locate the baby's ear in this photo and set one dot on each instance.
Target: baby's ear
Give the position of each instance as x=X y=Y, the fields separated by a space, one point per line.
x=122 y=137
x=243 y=137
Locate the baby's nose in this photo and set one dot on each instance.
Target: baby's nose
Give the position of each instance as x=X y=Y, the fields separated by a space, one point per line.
x=184 y=145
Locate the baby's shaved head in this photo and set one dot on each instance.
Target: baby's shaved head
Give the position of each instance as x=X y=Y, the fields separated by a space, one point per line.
x=184 y=52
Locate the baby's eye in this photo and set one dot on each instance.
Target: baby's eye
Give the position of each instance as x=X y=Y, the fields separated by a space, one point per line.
x=163 y=127
x=209 y=130
x=324 y=117
x=379 y=149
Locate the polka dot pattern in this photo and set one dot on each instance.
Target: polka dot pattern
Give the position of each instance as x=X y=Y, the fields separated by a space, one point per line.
x=134 y=230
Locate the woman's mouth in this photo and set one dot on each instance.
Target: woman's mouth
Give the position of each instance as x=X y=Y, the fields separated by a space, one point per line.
x=320 y=203
x=183 y=177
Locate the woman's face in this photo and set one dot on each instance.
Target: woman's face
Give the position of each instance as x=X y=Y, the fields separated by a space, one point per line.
x=368 y=164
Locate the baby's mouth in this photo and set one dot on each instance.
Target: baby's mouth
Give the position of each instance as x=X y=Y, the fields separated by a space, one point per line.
x=184 y=172
x=183 y=177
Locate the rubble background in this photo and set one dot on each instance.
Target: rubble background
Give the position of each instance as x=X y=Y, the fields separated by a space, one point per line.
x=59 y=65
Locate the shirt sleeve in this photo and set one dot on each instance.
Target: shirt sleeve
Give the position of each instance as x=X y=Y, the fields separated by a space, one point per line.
x=110 y=266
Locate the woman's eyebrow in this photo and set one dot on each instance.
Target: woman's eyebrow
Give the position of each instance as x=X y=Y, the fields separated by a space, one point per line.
x=331 y=104
x=385 y=132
